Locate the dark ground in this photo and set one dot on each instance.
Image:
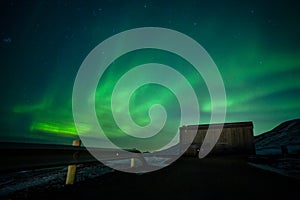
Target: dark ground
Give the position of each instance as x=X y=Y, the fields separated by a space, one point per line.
x=187 y=178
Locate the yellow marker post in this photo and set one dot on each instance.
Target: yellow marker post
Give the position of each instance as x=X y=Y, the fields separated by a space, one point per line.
x=132 y=162
x=72 y=168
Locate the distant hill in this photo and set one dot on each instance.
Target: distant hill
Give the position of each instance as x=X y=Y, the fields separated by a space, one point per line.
x=287 y=133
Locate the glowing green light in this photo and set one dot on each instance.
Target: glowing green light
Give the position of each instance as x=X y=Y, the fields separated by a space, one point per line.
x=249 y=81
x=53 y=128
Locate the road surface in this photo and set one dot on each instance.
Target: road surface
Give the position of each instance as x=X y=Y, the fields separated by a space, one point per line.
x=188 y=178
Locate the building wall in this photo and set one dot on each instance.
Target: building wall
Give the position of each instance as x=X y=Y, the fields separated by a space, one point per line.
x=236 y=138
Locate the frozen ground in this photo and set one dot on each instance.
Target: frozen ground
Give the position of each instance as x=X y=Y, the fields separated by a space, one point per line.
x=26 y=181
x=286 y=134
x=269 y=149
x=43 y=179
x=55 y=178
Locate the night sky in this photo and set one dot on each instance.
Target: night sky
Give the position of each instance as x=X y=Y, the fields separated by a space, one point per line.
x=255 y=45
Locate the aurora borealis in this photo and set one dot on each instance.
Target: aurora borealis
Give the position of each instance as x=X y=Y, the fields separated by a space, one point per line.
x=255 y=45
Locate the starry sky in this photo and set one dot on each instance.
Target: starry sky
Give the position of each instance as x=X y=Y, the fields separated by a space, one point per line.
x=255 y=45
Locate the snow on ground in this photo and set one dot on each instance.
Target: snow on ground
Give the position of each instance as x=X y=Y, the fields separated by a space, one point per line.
x=269 y=155
x=55 y=177
x=46 y=178
x=286 y=134
x=151 y=160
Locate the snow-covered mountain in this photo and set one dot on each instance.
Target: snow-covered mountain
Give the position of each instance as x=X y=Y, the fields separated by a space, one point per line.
x=286 y=134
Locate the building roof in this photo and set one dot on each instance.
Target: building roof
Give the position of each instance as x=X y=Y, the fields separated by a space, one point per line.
x=225 y=125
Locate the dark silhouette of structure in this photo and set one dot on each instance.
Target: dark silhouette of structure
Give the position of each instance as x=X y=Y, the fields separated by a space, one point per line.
x=235 y=138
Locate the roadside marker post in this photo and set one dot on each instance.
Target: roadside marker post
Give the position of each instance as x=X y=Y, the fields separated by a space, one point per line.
x=72 y=168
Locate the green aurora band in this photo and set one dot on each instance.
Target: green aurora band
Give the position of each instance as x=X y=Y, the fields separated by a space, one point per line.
x=255 y=46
